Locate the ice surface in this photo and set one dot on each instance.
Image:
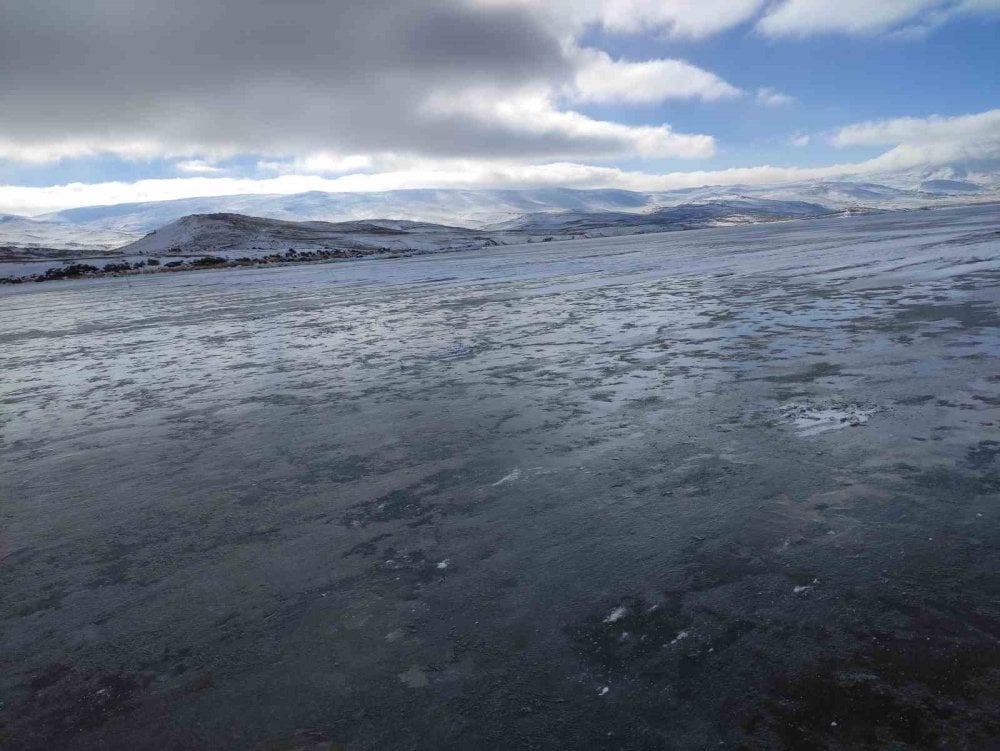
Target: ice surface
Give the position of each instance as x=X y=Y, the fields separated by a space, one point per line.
x=204 y=477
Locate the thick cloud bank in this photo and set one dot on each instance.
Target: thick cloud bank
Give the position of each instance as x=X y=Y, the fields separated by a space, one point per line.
x=213 y=78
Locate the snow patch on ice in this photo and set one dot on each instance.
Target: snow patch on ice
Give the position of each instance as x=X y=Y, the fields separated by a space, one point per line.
x=812 y=419
x=617 y=614
x=680 y=637
x=804 y=589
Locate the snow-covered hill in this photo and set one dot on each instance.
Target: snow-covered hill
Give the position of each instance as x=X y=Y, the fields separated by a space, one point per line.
x=235 y=235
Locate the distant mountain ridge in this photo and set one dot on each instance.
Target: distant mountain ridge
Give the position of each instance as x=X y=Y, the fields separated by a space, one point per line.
x=467 y=208
x=236 y=235
x=103 y=228
x=483 y=208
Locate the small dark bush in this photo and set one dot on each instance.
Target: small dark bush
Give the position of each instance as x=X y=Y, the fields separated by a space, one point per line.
x=208 y=261
x=68 y=272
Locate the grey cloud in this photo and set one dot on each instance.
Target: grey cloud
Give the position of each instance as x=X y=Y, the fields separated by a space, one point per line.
x=275 y=77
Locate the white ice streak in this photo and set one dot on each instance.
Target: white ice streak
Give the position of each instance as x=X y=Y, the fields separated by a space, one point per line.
x=803 y=589
x=512 y=477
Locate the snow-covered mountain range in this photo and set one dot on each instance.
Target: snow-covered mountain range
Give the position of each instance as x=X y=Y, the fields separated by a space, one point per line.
x=523 y=213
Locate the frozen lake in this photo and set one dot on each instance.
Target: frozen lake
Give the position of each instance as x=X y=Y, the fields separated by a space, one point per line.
x=733 y=488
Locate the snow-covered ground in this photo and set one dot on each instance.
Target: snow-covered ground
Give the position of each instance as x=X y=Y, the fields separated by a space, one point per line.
x=31 y=236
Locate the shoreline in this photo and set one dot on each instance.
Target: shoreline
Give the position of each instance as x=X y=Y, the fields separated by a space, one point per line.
x=76 y=271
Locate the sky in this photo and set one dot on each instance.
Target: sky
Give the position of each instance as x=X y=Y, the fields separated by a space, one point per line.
x=110 y=101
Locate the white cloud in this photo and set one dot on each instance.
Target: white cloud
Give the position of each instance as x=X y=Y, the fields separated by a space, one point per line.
x=800 y=139
x=48 y=151
x=699 y=19
x=319 y=163
x=771 y=98
x=532 y=115
x=981 y=130
x=197 y=167
x=601 y=79
x=865 y=17
x=926 y=141
x=678 y=18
